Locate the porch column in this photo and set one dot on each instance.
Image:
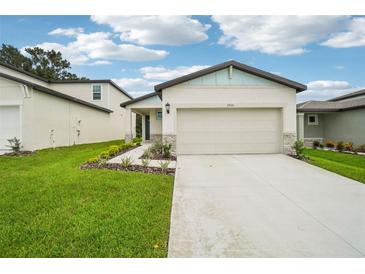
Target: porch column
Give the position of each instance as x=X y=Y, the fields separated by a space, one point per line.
x=300 y=126
x=128 y=125
x=143 y=127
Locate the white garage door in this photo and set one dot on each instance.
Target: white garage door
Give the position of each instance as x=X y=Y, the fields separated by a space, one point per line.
x=9 y=124
x=229 y=131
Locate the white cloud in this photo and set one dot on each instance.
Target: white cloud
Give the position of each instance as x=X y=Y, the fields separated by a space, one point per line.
x=99 y=45
x=152 y=76
x=155 y=29
x=339 y=67
x=73 y=55
x=66 y=32
x=280 y=35
x=136 y=86
x=164 y=74
x=100 y=62
x=328 y=85
x=324 y=90
x=353 y=37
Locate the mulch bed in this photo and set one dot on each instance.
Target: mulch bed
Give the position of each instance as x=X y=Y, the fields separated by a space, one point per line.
x=304 y=159
x=18 y=154
x=150 y=170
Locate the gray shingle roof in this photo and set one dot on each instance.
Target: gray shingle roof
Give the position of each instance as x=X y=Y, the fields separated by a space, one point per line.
x=329 y=106
x=348 y=95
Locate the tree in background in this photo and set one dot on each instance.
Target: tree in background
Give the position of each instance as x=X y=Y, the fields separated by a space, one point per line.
x=48 y=64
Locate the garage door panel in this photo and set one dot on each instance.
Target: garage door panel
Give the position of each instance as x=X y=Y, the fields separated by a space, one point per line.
x=220 y=131
x=9 y=124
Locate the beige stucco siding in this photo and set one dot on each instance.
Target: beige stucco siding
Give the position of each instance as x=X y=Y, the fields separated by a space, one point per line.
x=232 y=97
x=23 y=76
x=46 y=118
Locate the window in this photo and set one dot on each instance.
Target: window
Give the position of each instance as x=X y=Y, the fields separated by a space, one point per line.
x=96 y=90
x=313 y=119
x=159 y=115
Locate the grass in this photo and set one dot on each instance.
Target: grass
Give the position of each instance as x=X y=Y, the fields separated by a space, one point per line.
x=348 y=165
x=51 y=208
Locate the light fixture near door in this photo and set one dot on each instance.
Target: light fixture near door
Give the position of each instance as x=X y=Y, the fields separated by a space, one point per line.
x=167 y=106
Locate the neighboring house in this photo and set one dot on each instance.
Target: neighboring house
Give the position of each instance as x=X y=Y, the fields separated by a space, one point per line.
x=338 y=119
x=43 y=113
x=227 y=108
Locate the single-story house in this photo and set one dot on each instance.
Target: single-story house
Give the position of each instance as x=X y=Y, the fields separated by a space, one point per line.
x=43 y=113
x=226 y=108
x=339 y=119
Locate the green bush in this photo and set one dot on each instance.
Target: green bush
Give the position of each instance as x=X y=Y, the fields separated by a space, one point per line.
x=166 y=150
x=146 y=162
x=349 y=146
x=127 y=161
x=361 y=148
x=137 y=140
x=92 y=160
x=164 y=165
x=299 y=148
x=340 y=145
x=113 y=150
x=316 y=144
x=157 y=147
x=330 y=144
x=104 y=155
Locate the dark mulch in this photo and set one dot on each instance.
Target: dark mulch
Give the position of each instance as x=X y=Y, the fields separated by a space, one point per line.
x=151 y=170
x=305 y=159
x=18 y=154
x=159 y=157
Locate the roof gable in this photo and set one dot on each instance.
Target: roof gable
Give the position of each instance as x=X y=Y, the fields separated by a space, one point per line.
x=252 y=75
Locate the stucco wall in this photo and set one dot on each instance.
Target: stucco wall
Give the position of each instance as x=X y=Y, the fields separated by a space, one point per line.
x=42 y=113
x=229 y=96
x=314 y=131
x=346 y=126
x=84 y=92
x=155 y=125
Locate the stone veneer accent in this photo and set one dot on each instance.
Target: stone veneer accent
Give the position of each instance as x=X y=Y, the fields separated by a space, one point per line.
x=170 y=139
x=289 y=139
x=155 y=137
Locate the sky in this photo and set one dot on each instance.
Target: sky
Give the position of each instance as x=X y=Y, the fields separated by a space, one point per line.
x=327 y=53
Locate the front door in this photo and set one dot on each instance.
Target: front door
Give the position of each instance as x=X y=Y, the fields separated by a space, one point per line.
x=147 y=127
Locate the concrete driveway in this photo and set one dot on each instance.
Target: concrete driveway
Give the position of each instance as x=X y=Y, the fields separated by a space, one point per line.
x=264 y=206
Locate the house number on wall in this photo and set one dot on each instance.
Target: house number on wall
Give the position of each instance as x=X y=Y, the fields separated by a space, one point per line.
x=230 y=105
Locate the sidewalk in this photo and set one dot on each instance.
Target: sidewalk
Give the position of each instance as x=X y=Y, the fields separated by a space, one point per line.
x=135 y=154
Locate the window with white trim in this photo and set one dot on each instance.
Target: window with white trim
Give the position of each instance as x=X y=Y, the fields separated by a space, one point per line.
x=312 y=119
x=96 y=92
x=159 y=115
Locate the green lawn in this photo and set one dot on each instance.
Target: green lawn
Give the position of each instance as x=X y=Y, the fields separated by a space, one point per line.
x=51 y=208
x=348 y=165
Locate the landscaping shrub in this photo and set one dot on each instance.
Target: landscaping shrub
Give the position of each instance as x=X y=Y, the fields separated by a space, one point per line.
x=137 y=140
x=316 y=144
x=166 y=150
x=340 y=146
x=104 y=155
x=349 y=146
x=330 y=144
x=361 y=148
x=93 y=160
x=147 y=153
x=299 y=148
x=157 y=147
x=14 y=144
x=164 y=165
x=113 y=150
x=146 y=162
x=127 y=161
x=321 y=145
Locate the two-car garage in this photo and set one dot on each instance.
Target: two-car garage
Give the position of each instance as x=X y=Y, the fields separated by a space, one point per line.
x=229 y=130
